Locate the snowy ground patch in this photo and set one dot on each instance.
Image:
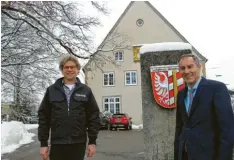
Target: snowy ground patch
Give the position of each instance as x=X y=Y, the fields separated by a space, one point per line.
x=137 y=126
x=14 y=134
x=31 y=126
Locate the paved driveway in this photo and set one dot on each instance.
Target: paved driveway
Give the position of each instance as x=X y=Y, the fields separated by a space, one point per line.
x=111 y=145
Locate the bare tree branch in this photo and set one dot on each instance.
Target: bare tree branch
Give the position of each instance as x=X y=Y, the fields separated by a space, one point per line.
x=36 y=33
x=45 y=30
x=101 y=8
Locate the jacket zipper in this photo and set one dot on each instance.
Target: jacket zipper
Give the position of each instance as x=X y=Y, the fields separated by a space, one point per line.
x=68 y=104
x=68 y=110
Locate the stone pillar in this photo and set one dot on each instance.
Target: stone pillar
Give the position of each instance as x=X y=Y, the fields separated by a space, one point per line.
x=158 y=122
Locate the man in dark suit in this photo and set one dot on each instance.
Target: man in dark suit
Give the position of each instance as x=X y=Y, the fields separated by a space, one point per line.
x=204 y=116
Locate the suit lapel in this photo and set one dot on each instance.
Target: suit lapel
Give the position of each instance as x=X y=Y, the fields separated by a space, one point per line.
x=182 y=104
x=197 y=97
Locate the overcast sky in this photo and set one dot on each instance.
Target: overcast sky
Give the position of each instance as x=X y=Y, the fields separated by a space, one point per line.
x=207 y=25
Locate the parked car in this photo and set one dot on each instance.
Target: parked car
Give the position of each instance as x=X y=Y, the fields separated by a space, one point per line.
x=120 y=120
x=104 y=121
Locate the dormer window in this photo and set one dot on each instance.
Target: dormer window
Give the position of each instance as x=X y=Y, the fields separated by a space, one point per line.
x=119 y=56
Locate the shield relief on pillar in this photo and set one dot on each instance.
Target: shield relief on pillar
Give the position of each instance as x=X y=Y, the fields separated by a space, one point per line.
x=166 y=82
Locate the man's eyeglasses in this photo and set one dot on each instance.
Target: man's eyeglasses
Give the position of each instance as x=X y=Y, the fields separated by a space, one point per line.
x=67 y=67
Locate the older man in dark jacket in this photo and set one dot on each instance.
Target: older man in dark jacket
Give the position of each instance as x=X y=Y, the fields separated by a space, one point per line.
x=204 y=118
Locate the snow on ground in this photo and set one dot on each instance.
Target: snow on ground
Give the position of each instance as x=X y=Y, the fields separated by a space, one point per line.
x=14 y=134
x=165 y=46
x=31 y=126
x=137 y=126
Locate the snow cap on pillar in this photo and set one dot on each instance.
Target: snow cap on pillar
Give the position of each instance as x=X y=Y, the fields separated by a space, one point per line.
x=165 y=46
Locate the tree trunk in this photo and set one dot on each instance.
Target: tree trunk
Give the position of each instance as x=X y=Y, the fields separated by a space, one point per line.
x=17 y=87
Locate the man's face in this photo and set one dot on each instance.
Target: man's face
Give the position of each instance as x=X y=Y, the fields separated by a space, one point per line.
x=189 y=70
x=70 y=70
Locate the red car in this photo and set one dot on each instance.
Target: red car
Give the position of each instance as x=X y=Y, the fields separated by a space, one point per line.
x=120 y=120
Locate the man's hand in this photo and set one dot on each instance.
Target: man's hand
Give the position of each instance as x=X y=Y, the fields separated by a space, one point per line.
x=91 y=150
x=44 y=152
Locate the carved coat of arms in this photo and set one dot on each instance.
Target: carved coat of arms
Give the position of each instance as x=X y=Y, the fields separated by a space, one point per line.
x=166 y=82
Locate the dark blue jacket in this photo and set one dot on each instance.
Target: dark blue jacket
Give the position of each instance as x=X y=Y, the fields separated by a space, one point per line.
x=208 y=131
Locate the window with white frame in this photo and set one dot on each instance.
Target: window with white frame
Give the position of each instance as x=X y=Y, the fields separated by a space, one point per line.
x=119 y=56
x=108 y=79
x=130 y=78
x=112 y=104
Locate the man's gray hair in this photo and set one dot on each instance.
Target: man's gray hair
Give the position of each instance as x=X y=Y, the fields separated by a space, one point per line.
x=195 y=58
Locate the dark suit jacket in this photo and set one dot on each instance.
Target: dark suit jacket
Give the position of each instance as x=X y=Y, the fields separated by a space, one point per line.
x=209 y=129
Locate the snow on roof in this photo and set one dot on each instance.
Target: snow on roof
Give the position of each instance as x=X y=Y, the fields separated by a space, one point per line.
x=165 y=46
x=137 y=45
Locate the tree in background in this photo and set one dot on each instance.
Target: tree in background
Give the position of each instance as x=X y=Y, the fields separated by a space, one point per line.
x=35 y=34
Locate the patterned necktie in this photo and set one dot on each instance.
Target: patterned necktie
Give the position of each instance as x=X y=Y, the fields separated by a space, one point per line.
x=191 y=91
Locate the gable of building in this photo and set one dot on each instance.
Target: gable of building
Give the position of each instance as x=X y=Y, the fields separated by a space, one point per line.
x=161 y=17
